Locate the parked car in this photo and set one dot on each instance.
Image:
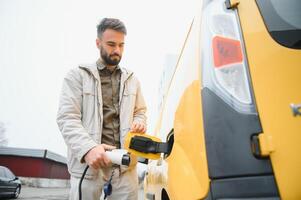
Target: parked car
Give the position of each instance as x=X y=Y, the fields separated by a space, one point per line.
x=10 y=185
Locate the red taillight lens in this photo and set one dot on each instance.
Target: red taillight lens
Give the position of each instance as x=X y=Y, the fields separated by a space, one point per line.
x=226 y=51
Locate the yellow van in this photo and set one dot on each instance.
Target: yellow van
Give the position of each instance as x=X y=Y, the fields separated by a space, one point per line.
x=232 y=111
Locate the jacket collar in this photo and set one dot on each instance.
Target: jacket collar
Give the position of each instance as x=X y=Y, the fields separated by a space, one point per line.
x=101 y=66
x=92 y=69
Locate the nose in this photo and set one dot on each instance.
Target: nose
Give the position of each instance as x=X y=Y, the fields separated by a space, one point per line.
x=117 y=50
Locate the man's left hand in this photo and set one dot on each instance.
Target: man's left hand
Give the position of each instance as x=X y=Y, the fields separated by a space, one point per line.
x=138 y=127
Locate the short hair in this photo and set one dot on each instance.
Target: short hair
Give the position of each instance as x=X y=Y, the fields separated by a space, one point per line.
x=110 y=23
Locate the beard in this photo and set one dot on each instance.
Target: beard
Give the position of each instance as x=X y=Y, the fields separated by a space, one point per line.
x=109 y=59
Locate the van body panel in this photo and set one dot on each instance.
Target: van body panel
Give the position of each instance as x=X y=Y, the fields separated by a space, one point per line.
x=188 y=155
x=182 y=114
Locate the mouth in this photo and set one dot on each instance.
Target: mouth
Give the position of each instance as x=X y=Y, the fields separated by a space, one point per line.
x=115 y=57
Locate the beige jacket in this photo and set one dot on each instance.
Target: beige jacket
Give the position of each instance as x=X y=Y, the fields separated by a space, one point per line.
x=80 y=114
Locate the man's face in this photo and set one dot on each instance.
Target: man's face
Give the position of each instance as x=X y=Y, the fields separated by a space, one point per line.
x=111 y=47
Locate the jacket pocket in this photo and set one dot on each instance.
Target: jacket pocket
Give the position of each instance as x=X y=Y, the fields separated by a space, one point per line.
x=127 y=106
x=129 y=90
x=129 y=96
x=88 y=89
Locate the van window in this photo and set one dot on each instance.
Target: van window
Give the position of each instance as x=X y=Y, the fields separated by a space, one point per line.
x=283 y=21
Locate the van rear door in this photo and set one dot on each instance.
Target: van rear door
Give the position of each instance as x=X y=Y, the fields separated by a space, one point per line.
x=272 y=34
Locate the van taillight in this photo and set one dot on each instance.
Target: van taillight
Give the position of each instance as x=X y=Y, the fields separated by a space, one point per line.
x=226 y=51
x=224 y=62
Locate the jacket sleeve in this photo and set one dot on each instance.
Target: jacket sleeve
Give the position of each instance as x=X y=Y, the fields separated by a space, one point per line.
x=140 y=106
x=69 y=116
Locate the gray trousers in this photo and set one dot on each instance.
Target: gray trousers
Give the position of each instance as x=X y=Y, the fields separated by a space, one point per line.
x=125 y=186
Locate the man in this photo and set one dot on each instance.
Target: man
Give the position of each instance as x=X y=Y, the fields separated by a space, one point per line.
x=99 y=104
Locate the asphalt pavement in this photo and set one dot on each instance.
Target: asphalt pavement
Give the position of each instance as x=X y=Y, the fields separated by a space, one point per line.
x=33 y=193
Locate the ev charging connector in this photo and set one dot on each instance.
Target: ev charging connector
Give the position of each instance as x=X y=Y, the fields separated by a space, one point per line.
x=146 y=146
x=117 y=156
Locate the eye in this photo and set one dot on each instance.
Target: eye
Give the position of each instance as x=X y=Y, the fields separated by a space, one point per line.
x=111 y=44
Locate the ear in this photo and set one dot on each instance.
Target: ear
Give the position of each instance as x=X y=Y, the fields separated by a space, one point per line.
x=98 y=43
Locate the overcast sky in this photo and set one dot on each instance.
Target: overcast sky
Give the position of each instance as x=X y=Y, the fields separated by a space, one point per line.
x=40 y=40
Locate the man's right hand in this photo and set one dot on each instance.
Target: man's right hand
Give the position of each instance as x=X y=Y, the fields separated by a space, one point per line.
x=96 y=157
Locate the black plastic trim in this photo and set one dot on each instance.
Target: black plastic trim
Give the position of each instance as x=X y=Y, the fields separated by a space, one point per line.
x=247 y=187
x=228 y=140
